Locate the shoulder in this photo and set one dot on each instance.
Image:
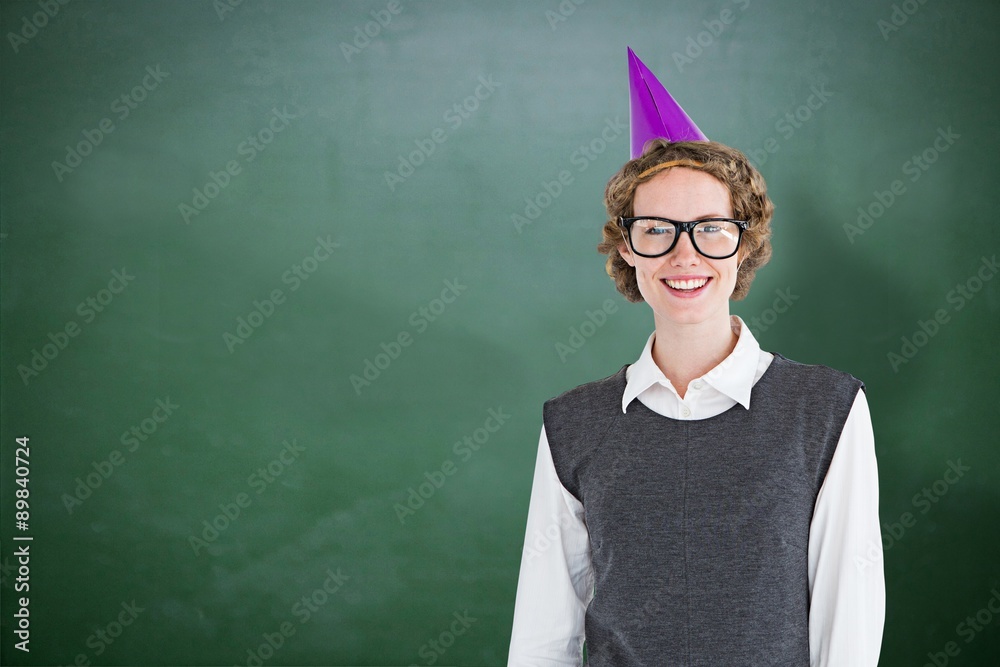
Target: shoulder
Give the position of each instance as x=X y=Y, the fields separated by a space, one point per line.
x=576 y=421
x=817 y=376
x=584 y=408
x=597 y=391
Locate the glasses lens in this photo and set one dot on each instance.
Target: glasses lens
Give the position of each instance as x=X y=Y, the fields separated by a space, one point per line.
x=716 y=238
x=652 y=237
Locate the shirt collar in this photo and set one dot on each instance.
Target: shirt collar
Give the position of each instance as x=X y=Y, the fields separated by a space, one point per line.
x=733 y=377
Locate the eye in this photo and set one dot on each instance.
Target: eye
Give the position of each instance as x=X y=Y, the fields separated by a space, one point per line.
x=650 y=227
x=716 y=227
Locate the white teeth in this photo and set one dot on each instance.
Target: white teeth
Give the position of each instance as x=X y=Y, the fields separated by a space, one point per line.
x=686 y=284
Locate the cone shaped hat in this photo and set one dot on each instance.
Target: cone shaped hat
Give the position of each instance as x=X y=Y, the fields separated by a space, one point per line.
x=653 y=113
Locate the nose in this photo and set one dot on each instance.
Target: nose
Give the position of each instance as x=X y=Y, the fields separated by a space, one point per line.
x=683 y=253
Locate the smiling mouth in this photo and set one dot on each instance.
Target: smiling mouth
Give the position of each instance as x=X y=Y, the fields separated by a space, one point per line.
x=686 y=286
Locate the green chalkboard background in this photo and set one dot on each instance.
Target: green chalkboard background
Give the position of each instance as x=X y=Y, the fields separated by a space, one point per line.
x=118 y=301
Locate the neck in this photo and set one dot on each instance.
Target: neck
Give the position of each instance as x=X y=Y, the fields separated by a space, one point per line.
x=702 y=346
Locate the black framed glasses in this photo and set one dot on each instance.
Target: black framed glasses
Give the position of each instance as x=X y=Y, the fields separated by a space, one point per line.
x=715 y=238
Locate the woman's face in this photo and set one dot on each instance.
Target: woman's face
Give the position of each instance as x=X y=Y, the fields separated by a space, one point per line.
x=683 y=194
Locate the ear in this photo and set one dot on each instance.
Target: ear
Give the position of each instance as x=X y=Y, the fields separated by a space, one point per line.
x=626 y=254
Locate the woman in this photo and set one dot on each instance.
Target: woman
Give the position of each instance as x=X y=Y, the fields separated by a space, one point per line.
x=710 y=503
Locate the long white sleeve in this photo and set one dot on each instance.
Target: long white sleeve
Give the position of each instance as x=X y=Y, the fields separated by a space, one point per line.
x=847 y=585
x=556 y=581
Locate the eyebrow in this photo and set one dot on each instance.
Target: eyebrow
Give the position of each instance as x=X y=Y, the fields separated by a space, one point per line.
x=701 y=217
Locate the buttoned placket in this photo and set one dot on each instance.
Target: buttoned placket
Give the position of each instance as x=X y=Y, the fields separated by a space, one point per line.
x=685 y=404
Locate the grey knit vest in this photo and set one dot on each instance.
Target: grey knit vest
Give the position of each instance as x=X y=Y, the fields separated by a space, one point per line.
x=699 y=529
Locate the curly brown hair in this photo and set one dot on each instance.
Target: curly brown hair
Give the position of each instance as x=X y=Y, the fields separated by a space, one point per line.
x=747 y=192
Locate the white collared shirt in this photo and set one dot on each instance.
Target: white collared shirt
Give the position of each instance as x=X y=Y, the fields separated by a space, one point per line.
x=846 y=579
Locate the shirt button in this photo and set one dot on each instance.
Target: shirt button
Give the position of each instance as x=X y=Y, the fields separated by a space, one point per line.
x=685 y=412
x=696 y=384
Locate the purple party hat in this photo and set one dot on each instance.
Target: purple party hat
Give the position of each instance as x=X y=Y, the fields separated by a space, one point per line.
x=653 y=113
